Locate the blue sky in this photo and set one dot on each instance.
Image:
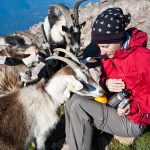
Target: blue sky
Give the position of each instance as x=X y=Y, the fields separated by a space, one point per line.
x=16 y=15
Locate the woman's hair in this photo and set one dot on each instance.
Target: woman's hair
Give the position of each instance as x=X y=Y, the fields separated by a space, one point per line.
x=109 y=26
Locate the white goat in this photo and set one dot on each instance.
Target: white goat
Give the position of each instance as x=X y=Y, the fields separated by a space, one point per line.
x=62 y=28
x=31 y=113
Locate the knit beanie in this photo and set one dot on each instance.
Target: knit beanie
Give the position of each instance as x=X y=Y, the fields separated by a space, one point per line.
x=109 y=26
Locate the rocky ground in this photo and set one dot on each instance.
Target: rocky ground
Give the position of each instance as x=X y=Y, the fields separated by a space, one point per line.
x=139 y=10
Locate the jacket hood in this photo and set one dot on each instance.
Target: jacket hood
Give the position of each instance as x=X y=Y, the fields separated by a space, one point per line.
x=138 y=39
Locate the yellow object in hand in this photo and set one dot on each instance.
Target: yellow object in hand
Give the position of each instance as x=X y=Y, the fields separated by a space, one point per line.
x=101 y=99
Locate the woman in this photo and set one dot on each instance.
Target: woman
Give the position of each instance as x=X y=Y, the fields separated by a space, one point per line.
x=127 y=66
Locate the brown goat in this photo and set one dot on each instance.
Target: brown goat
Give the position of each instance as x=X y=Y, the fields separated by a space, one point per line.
x=31 y=112
x=10 y=78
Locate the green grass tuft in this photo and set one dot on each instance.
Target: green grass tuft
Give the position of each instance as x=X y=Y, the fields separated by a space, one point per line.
x=142 y=142
x=115 y=145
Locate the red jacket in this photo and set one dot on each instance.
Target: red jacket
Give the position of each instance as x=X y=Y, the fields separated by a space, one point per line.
x=133 y=66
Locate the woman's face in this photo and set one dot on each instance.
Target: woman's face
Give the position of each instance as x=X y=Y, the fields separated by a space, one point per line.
x=109 y=49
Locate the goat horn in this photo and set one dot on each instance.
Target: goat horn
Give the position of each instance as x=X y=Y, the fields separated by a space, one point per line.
x=72 y=64
x=76 y=10
x=67 y=61
x=71 y=55
x=65 y=13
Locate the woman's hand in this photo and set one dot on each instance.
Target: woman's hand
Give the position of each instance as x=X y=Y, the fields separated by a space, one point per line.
x=115 y=85
x=125 y=111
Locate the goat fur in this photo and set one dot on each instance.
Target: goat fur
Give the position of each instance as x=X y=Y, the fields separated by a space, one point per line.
x=26 y=115
x=31 y=112
x=61 y=29
x=10 y=78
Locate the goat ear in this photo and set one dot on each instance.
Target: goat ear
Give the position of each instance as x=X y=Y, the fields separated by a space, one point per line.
x=72 y=16
x=64 y=28
x=73 y=84
x=82 y=24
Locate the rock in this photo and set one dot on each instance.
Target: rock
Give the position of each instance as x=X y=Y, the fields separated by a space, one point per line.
x=124 y=140
x=139 y=12
x=90 y=4
x=65 y=147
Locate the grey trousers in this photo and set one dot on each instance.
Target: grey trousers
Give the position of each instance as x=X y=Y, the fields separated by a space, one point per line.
x=82 y=113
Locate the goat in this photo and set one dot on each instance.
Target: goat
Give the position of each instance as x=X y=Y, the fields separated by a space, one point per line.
x=18 y=58
x=15 y=67
x=31 y=112
x=9 y=41
x=63 y=29
x=20 y=75
x=17 y=43
x=17 y=74
x=17 y=51
x=10 y=78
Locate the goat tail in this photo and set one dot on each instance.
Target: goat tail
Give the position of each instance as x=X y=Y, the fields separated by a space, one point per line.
x=9 y=82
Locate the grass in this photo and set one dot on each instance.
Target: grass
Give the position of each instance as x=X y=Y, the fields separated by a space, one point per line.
x=32 y=147
x=142 y=142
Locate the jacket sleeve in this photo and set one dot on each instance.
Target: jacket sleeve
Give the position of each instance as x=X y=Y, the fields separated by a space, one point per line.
x=140 y=105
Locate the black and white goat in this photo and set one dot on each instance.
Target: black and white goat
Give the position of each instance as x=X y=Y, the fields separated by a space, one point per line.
x=19 y=67
x=62 y=28
x=10 y=41
x=14 y=50
x=31 y=113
